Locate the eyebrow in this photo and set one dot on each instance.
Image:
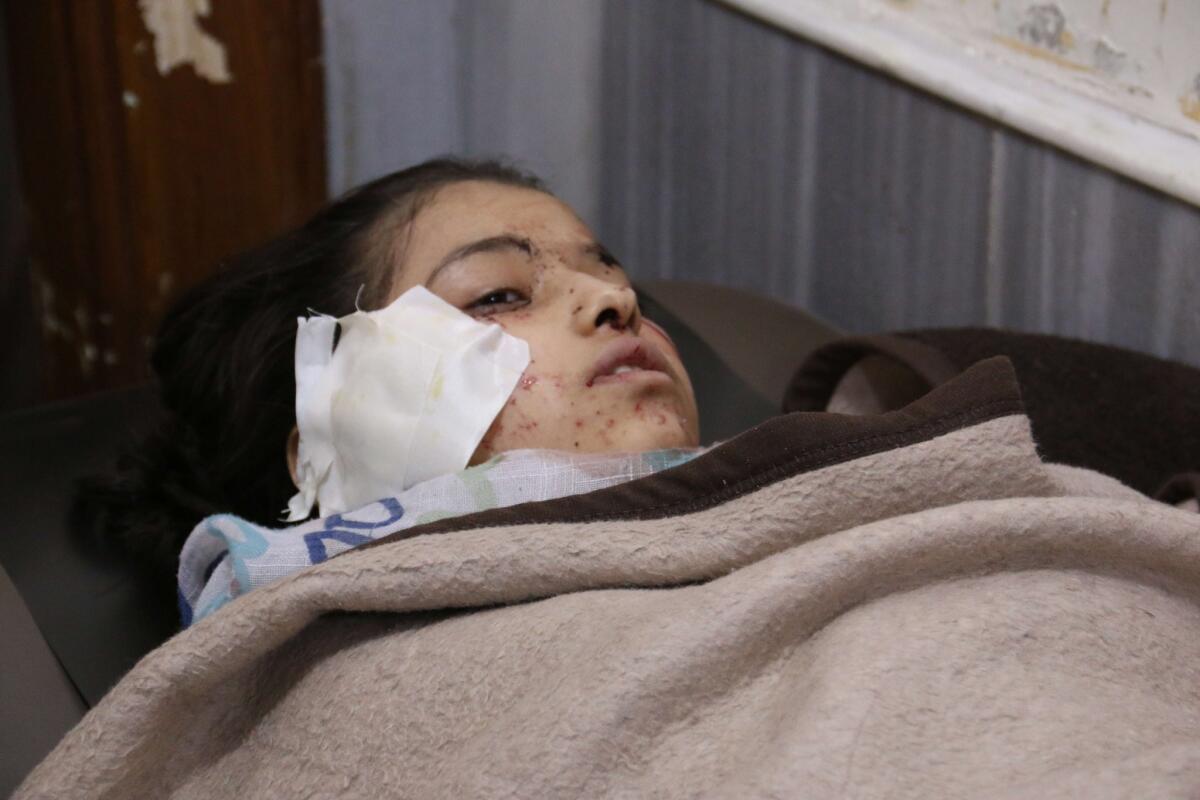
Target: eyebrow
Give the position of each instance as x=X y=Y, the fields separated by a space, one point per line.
x=508 y=242
x=601 y=252
x=489 y=245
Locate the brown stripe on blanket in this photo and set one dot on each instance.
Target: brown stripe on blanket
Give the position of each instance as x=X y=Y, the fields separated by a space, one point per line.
x=772 y=451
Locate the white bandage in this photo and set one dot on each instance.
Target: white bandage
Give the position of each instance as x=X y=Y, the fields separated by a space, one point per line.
x=407 y=395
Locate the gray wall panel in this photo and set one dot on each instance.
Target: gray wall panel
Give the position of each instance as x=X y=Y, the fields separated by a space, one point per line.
x=1086 y=253
x=392 y=86
x=901 y=224
x=412 y=80
x=1175 y=318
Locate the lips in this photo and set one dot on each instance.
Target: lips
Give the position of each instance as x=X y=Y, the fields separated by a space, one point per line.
x=628 y=355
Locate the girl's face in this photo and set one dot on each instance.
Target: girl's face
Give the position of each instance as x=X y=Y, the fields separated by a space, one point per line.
x=601 y=377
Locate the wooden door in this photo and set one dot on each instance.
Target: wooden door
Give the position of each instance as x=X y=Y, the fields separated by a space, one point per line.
x=154 y=138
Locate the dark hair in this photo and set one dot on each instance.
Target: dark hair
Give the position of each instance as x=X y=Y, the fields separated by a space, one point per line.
x=223 y=359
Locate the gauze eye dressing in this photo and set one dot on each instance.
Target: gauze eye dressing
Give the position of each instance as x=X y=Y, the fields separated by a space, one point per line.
x=406 y=395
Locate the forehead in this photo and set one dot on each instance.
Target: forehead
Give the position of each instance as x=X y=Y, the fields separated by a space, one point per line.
x=462 y=213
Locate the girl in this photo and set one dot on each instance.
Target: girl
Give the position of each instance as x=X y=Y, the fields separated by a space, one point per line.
x=484 y=237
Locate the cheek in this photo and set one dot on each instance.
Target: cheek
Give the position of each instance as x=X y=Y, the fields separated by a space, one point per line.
x=532 y=417
x=529 y=328
x=514 y=323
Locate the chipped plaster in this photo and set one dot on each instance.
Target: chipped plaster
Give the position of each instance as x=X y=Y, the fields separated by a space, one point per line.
x=179 y=39
x=1138 y=56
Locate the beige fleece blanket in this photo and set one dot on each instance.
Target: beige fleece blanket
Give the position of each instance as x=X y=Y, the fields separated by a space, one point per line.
x=904 y=605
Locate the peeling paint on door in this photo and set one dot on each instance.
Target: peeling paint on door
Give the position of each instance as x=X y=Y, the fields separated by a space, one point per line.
x=52 y=325
x=179 y=39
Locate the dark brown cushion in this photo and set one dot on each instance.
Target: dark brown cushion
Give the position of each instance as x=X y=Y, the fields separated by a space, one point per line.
x=1129 y=415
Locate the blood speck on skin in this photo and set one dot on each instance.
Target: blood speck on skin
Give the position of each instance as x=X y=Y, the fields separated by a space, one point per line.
x=638 y=407
x=578 y=423
x=590 y=383
x=661 y=419
x=490 y=437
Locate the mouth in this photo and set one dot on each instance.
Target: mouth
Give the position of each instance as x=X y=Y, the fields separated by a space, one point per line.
x=629 y=358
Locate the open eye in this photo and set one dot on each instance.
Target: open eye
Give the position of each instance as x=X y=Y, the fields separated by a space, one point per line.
x=497 y=301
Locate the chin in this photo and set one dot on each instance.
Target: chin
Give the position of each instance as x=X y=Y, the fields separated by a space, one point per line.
x=671 y=433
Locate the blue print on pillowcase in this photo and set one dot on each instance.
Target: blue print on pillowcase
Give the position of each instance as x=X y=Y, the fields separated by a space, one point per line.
x=334 y=530
x=659 y=460
x=185 y=610
x=246 y=543
x=213 y=604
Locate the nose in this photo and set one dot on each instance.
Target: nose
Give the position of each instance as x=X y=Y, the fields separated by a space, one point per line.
x=603 y=304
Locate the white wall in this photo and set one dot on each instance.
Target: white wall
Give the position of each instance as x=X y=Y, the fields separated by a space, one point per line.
x=1140 y=55
x=1115 y=81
